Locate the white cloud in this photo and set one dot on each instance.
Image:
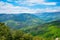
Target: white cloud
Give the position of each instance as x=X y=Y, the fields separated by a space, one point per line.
x=56 y=9
x=9 y=8
x=49 y=3
x=35 y=2
x=47 y=10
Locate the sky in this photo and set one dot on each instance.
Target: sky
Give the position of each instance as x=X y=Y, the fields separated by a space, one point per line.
x=29 y=6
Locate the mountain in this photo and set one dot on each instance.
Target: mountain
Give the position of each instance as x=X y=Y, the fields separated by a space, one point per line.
x=24 y=20
x=27 y=21
x=51 y=29
x=49 y=16
x=39 y=24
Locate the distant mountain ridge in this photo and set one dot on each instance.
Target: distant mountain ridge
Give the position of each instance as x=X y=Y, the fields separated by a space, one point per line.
x=28 y=20
x=17 y=21
x=49 y=16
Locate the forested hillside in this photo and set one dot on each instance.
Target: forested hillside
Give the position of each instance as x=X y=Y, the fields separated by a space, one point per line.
x=8 y=34
x=48 y=31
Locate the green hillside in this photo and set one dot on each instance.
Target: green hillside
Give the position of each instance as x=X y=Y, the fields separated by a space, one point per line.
x=53 y=30
x=48 y=31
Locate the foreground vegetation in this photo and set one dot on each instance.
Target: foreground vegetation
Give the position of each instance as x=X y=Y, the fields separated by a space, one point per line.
x=8 y=34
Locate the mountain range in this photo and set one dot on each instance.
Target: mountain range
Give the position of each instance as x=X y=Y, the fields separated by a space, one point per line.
x=26 y=20
x=45 y=25
x=51 y=16
x=17 y=21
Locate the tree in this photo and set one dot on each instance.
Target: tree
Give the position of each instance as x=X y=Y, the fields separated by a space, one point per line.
x=4 y=32
x=17 y=35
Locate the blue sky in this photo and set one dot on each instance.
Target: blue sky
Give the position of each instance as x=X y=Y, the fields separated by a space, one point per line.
x=29 y=6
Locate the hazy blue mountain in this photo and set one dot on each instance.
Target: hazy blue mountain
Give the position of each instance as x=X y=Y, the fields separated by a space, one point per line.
x=21 y=20
x=27 y=20
x=51 y=16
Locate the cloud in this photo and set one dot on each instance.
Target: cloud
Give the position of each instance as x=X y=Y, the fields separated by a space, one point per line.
x=49 y=3
x=9 y=8
x=55 y=9
x=35 y=2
